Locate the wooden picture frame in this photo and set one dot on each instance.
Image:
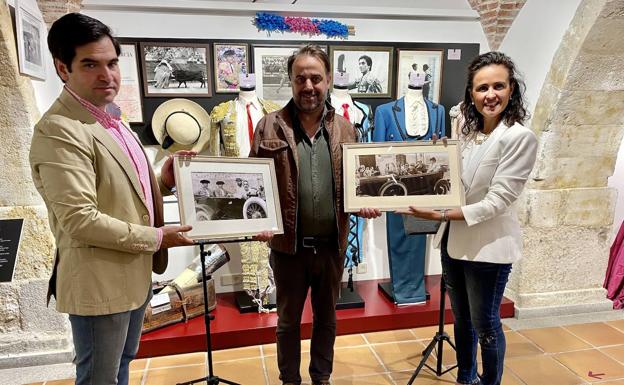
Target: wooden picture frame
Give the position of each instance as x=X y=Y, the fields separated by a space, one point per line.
x=395 y=175
x=370 y=69
x=227 y=198
x=176 y=69
x=230 y=61
x=31 y=44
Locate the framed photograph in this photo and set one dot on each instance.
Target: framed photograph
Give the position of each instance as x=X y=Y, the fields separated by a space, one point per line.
x=426 y=62
x=271 y=69
x=176 y=69
x=227 y=198
x=129 y=96
x=369 y=69
x=230 y=60
x=31 y=43
x=395 y=175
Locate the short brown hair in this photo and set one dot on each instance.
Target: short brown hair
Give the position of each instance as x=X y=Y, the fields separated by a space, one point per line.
x=309 y=50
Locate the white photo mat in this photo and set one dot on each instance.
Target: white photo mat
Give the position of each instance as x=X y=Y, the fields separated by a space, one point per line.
x=31 y=40
x=355 y=200
x=186 y=170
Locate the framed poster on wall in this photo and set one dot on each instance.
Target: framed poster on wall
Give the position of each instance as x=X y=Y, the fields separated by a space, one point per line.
x=270 y=66
x=31 y=44
x=230 y=60
x=425 y=62
x=129 y=96
x=176 y=69
x=369 y=69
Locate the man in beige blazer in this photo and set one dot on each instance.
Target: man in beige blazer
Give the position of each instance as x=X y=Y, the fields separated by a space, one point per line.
x=104 y=203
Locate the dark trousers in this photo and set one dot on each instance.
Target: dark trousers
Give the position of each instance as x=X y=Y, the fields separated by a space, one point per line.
x=319 y=270
x=476 y=290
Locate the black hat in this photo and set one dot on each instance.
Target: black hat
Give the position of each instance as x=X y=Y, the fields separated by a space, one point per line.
x=220 y=182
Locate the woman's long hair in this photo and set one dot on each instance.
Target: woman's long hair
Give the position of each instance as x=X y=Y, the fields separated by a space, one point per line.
x=515 y=112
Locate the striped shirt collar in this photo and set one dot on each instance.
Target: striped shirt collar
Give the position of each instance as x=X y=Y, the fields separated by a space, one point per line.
x=109 y=118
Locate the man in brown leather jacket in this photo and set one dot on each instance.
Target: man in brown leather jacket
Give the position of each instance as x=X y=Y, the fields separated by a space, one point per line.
x=304 y=139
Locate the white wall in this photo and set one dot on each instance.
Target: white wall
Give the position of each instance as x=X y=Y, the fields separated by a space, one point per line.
x=534 y=38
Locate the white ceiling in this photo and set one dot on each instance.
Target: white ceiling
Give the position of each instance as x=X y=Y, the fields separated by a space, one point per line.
x=429 y=4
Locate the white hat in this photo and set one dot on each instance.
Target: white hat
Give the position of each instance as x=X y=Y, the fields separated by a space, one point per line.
x=181 y=124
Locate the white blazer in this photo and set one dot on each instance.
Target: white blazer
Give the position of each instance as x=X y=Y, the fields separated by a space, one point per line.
x=494 y=175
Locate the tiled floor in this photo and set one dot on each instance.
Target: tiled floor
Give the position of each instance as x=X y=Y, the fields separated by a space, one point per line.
x=566 y=355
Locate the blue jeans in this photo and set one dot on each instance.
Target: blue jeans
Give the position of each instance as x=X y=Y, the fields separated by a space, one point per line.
x=105 y=345
x=476 y=290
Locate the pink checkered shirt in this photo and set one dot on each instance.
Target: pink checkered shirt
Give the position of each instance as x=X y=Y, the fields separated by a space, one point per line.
x=129 y=145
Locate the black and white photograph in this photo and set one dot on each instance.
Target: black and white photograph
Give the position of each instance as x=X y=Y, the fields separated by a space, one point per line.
x=227 y=196
x=369 y=69
x=172 y=69
x=394 y=175
x=231 y=60
x=30 y=41
x=402 y=174
x=271 y=68
x=427 y=63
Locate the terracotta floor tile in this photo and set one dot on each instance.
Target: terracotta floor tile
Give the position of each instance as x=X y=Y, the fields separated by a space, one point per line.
x=448 y=356
x=425 y=377
x=614 y=382
x=357 y=361
x=427 y=332
x=582 y=362
x=518 y=346
x=236 y=354
x=138 y=364
x=615 y=352
x=390 y=336
x=381 y=379
x=542 y=370
x=510 y=378
x=244 y=372
x=178 y=360
x=349 y=340
x=555 y=340
x=35 y=383
x=597 y=334
x=271 y=349
x=618 y=324
x=69 y=381
x=135 y=378
x=270 y=363
x=173 y=376
x=400 y=356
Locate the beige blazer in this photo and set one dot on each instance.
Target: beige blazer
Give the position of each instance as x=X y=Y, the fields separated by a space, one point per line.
x=494 y=175
x=97 y=213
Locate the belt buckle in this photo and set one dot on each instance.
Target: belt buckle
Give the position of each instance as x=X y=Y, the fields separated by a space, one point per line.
x=305 y=240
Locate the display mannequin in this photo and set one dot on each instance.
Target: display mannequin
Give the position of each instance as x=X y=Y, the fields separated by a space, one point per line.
x=394 y=122
x=232 y=127
x=359 y=114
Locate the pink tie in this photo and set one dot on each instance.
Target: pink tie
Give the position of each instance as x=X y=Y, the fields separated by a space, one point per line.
x=345 y=111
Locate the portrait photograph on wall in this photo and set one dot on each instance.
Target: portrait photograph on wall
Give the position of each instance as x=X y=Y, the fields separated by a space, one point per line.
x=172 y=69
x=230 y=60
x=129 y=96
x=369 y=69
x=425 y=62
x=31 y=44
x=227 y=198
x=401 y=175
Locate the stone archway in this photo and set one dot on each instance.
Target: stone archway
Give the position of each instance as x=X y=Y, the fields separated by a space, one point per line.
x=568 y=208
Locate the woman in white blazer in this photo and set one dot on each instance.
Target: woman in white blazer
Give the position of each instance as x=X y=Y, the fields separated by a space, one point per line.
x=480 y=241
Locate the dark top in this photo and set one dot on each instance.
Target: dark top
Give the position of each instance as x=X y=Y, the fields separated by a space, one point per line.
x=316 y=215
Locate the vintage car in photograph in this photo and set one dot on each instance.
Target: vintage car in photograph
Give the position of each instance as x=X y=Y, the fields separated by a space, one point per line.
x=408 y=184
x=215 y=208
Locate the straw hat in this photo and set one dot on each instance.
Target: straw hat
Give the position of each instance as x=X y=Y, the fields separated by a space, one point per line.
x=181 y=124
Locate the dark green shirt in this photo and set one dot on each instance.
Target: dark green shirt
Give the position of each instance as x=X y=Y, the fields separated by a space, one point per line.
x=316 y=215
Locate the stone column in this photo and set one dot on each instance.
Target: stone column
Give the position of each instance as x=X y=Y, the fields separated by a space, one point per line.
x=567 y=209
x=30 y=333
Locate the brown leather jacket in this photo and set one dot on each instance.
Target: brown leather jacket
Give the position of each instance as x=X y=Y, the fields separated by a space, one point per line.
x=274 y=138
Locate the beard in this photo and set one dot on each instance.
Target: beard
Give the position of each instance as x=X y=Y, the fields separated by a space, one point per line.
x=309 y=101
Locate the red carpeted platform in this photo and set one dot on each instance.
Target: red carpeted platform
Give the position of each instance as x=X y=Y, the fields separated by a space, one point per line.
x=232 y=329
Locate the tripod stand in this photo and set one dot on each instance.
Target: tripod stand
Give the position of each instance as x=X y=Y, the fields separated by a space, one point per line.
x=436 y=342
x=211 y=379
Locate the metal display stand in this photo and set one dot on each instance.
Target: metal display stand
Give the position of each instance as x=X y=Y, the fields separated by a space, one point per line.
x=211 y=379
